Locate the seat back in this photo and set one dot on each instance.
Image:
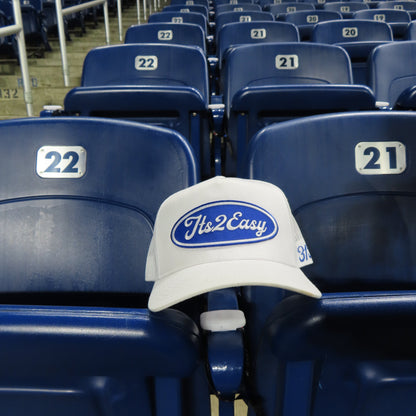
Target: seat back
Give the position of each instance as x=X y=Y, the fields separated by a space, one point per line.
x=392 y=70
x=237 y=7
x=397 y=19
x=350 y=182
x=190 y=2
x=244 y=16
x=180 y=17
x=146 y=64
x=346 y=8
x=167 y=33
x=186 y=8
x=357 y=37
x=85 y=188
x=411 y=31
x=352 y=202
x=280 y=10
x=272 y=64
x=306 y=20
x=254 y=32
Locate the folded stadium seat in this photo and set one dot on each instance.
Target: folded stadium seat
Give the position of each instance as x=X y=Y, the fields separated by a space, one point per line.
x=77 y=219
x=411 y=31
x=346 y=8
x=282 y=81
x=306 y=20
x=397 y=19
x=153 y=83
x=180 y=17
x=392 y=74
x=186 y=8
x=350 y=181
x=409 y=6
x=237 y=7
x=244 y=16
x=280 y=11
x=167 y=33
x=357 y=37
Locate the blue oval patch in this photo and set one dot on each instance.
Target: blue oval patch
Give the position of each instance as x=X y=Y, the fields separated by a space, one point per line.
x=224 y=223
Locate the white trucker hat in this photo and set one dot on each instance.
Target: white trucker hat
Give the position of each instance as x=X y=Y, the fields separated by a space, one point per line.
x=225 y=232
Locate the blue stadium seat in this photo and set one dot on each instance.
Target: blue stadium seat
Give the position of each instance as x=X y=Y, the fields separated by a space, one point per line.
x=357 y=37
x=8 y=45
x=244 y=16
x=237 y=7
x=167 y=33
x=350 y=181
x=280 y=10
x=153 y=83
x=346 y=8
x=397 y=19
x=411 y=31
x=180 y=17
x=186 y=8
x=290 y=80
x=190 y=2
x=306 y=20
x=408 y=6
x=79 y=198
x=243 y=33
x=393 y=72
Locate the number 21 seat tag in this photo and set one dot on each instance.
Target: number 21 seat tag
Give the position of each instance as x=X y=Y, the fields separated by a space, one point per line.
x=380 y=158
x=61 y=162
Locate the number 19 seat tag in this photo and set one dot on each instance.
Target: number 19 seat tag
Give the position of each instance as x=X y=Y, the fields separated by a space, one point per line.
x=380 y=158
x=61 y=162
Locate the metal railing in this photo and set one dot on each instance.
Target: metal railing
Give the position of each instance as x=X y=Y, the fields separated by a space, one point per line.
x=60 y=13
x=17 y=29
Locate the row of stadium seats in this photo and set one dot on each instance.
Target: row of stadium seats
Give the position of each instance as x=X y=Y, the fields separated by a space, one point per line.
x=79 y=198
x=168 y=85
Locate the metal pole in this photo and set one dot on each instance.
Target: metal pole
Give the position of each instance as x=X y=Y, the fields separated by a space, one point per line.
x=62 y=41
x=20 y=37
x=120 y=23
x=138 y=11
x=106 y=22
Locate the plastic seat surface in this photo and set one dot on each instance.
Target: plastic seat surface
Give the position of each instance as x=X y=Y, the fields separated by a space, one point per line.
x=194 y=8
x=397 y=19
x=186 y=34
x=243 y=33
x=281 y=9
x=306 y=20
x=293 y=79
x=180 y=17
x=237 y=7
x=346 y=8
x=244 y=16
x=357 y=37
x=154 y=83
x=79 y=197
x=392 y=71
x=356 y=213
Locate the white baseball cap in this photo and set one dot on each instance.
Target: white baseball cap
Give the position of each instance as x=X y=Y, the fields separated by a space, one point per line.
x=225 y=232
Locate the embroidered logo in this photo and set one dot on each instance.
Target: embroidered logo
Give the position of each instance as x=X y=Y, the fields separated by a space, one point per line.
x=223 y=223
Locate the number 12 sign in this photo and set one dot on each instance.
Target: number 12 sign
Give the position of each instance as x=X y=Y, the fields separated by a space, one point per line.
x=380 y=158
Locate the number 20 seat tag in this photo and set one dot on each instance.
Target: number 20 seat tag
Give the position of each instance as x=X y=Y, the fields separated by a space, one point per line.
x=380 y=158
x=61 y=162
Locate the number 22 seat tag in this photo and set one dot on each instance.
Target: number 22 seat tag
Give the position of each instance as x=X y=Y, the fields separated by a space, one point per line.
x=61 y=162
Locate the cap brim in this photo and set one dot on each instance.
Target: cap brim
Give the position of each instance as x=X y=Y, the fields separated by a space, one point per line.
x=204 y=278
